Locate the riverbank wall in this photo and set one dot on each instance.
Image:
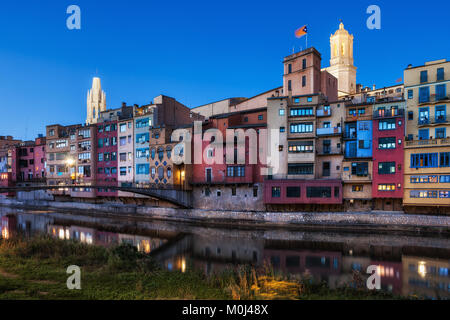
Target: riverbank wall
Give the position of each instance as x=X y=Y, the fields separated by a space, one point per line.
x=351 y=221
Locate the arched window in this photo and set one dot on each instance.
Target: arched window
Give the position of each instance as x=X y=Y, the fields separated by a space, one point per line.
x=169 y=152
x=160 y=154
x=153 y=172
x=160 y=172
x=153 y=153
x=169 y=172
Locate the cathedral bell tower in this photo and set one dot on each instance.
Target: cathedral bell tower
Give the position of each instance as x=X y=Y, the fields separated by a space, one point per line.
x=96 y=101
x=341 y=61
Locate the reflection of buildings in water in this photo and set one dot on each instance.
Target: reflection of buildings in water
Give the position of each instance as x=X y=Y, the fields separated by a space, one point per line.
x=142 y=243
x=320 y=264
x=82 y=234
x=216 y=254
x=59 y=232
x=350 y=264
x=31 y=224
x=8 y=226
x=105 y=238
x=390 y=275
x=426 y=277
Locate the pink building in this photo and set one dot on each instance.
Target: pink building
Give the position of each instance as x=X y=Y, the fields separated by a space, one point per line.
x=107 y=157
x=27 y=161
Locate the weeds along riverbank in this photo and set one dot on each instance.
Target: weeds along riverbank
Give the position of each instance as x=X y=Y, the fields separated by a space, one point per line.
x=36 y=269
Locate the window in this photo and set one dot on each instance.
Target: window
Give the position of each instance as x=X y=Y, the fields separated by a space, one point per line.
x=424 y=94
x=440 y=114
x=423 y=194
x=361 y=111
x=142 y=123
x=301 y=168
x=357 y=188
x=386 y=143
x=440 y=133
x=123 y=127
x=142 y=168
x=386 y=167
x=260 y=117
x=169 y=172
x=424 y=179
x=293 y=192
x=444 y=159
x=423 y=76
x=276 y=192
x=388 y=124
x=123 y=141
x=300 y=146
x=440 y=91
x=161 y=173
x=318 y=192
x=123 y=171
x=113 y=156
x=304 y=63
x=301 y=112
x=410 y=115
x=255 y=191
x=424 y=160
x=233 y=191
x=410 y=94
x=236 y=171
x=360 y=168
x=364 y=144
x=289 y=85
x=440 y=74
x=142 y=153
x=153 y=172
x=160 y=154
x=309 y=99
x=303 y=81
x=142 y=137
x=281 y=112
x=282 y=129
x=386 y=187
x=289 y=68
x=301 y=127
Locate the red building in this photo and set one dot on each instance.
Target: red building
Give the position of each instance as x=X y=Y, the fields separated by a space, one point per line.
x=107 y=157
x=388 y=157
x=294 y=191
x=27 y=161
x=230 y=185
x=6 y=181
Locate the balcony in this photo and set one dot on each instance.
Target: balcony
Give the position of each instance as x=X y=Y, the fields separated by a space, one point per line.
x=323 y=113
x=356 y=177
x=381 y=114
x=432 y=120
x=350 y=135
x=432 y=99
x=428 y=143
x=329 y=131
x=329 y=151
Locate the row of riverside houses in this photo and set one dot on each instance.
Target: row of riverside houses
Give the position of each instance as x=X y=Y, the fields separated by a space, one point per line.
x=331 y=144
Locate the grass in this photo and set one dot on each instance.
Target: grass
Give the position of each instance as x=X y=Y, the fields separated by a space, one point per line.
x=36 y=269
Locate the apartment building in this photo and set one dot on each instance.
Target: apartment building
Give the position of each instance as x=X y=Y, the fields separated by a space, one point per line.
x=60 y=143
x=143 y=120
x=357 y=163
x=427 y=149
x=107 y=157
x=27 y=161
x=125 y=151
x=6 y=142
x=229 y=176
x=85 y=161
x=388 y=141
x=294 y=179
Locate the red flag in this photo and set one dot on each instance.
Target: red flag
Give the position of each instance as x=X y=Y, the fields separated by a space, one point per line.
x=301 y=31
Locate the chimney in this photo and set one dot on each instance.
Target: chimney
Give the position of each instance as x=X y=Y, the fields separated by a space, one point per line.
x=373 y=87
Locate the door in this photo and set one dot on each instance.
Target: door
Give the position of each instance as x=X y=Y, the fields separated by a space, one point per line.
x=208 y=175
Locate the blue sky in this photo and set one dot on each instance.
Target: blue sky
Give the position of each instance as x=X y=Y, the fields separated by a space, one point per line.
x=195 y=51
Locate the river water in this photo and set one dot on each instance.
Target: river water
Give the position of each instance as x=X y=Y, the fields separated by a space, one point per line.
x=407 y=264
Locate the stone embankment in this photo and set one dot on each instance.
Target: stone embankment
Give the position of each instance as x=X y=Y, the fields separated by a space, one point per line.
x=352 y=221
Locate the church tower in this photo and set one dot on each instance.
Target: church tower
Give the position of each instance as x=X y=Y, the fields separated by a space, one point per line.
x=96 y=101
x=341 y=61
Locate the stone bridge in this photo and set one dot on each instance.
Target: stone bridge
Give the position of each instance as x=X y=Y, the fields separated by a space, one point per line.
x=181 y=198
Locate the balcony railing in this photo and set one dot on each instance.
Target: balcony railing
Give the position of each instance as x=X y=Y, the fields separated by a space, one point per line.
x=329 y=131
x=350 y=135
x=429 y=142
x=357 y=177
x=432 y=120
x=390 y=113
x=432 y=98
x=329 y=151
x=323 y=112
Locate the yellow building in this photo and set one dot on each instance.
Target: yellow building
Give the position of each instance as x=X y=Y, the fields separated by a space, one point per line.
x=427 y=149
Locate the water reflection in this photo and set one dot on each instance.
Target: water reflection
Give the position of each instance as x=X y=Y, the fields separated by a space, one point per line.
x=407 y=265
